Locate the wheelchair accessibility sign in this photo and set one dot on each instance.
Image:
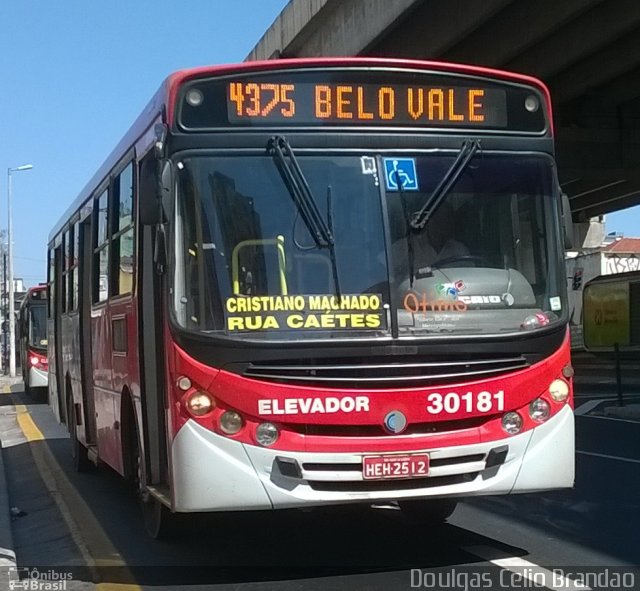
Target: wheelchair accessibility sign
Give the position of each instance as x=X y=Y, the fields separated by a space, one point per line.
x=401 y=171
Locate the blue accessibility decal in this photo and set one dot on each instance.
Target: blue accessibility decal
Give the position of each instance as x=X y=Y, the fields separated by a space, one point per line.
x=401 y=173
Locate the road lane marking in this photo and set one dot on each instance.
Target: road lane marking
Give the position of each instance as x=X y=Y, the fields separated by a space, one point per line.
x=29 y=428
x=44 y=459
x=606 y=457
x=610 y=419
x=57 y=490
x=588 y=406
x=528 y=570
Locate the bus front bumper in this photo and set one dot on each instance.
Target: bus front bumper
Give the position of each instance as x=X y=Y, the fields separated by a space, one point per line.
x=214 y=473
x=38 y=378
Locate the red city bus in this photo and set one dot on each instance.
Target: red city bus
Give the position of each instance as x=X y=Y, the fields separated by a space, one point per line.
x=306 y=282
x=32 y=331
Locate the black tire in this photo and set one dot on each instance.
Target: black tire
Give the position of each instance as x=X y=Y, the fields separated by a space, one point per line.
x=432 y=511
x=79 y=453
x=159 y=522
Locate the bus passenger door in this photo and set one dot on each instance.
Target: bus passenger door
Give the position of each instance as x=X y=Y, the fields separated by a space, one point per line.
x=60 y=401
x=85 y=295
x=107 y=437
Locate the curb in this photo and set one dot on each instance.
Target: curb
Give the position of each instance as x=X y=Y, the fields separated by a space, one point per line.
x=7 y=552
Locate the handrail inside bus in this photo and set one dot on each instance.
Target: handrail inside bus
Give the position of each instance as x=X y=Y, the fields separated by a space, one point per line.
x=278 y=242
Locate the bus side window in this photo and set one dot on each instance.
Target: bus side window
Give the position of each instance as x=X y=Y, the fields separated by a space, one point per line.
x=101 y=248
x=123 y=239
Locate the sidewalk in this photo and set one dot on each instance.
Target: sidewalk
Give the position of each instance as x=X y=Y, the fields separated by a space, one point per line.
x=7 y=553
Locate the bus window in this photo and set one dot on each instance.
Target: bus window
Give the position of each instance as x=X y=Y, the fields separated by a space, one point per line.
x=101 y=249
x=123 y=242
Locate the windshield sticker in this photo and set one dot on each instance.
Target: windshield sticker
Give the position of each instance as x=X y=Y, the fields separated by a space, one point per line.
x=368 y=165
x=555 y=303
x=401 y=171
x=446 y=297
x=308 y=312
x=414 y=303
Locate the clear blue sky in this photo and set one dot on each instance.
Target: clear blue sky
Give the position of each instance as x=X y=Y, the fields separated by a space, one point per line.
x=76 y=73
x=626 y=221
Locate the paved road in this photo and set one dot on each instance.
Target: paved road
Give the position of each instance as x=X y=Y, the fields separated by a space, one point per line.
x=91 y=520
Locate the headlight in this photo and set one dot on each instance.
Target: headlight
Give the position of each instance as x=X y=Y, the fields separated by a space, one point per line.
x=539 y=410
x=200 y=403
x=267 y=434
x=512 y=423
x=559 y=390
x=230 y=422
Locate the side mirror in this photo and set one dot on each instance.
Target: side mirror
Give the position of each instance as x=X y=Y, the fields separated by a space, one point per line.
x=148 y=192
x=166 y=188
x=567 y=222
x=156 y=182
x=160 y=250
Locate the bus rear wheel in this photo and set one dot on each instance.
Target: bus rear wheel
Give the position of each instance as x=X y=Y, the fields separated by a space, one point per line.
x=433 y=511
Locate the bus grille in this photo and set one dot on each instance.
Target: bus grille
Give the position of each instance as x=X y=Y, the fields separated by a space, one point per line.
x=330 y=430
x=350 y=467
x=381 y=372
x=391 y=485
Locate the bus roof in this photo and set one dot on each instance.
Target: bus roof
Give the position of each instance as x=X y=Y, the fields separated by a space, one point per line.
x=163 y=101
x=28 y=298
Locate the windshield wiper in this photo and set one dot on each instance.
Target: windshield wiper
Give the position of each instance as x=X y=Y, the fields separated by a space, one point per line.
x=409 y=233
x=299 y=190
x=322 y=233
x=467 y=151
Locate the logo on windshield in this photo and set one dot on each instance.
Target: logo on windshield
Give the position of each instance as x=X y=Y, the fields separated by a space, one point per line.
x=447 y=290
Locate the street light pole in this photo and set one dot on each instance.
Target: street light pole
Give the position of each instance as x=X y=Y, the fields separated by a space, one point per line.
x=12 y=320
x=4 y=363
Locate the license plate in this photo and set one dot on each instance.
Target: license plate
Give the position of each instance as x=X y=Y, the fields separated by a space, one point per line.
x=388 y=467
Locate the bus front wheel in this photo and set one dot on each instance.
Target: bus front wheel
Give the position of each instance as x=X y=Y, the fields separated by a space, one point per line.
x=158 y=520
x=79 y=454
x=432 y=511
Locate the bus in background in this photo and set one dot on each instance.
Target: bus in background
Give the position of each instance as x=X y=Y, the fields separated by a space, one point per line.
x=306 y=282
x=32 y=331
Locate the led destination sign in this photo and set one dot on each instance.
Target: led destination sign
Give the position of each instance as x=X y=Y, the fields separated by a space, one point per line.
x=356 y=98
x=372 y=104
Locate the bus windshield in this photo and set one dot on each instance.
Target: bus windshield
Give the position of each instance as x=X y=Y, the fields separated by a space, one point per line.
x=38 y=327
x=486 y=261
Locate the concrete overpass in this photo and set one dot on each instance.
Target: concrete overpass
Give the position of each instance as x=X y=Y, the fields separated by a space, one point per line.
x=587 y=51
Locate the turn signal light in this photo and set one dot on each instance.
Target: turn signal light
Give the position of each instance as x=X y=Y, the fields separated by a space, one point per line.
x=200 y=403
x=559 y=390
